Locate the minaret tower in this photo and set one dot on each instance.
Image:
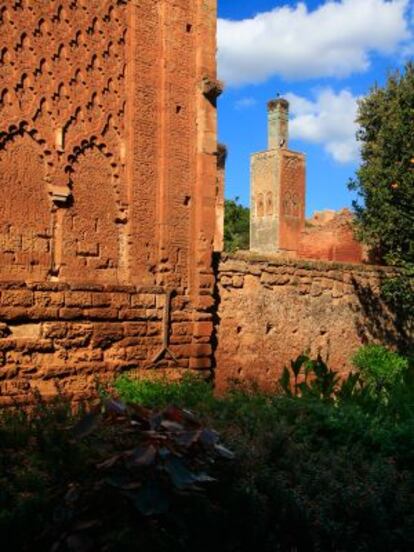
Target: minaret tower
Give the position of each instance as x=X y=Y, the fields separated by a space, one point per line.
x=277 y=214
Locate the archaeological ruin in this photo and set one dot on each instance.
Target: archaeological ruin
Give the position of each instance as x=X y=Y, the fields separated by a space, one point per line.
x=112 y=207
x=108 y=163
x=278 y=199
x=277 y=212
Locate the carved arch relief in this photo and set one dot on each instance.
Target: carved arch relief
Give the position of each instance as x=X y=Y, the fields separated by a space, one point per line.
x=90 y=229
x=25 y=210
x=260 y=206
x=291 y=205
x=269 y=203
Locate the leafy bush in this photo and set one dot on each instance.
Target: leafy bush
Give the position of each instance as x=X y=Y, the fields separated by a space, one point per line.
x=319 y=465
x=117 y=477
x=380 y=369
x=398 y=293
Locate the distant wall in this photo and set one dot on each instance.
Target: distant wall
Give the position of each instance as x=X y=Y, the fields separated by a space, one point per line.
x=329 y=236
x=271 y=310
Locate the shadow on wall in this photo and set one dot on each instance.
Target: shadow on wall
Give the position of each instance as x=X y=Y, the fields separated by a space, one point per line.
x=380 y=322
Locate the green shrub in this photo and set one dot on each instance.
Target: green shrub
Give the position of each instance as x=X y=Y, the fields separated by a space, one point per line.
x=320 y=465
x=116 y=478
x=190 y=391
x=380 y=369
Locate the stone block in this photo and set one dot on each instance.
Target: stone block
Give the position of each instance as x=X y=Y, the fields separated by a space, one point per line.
x=201 y=349
x=135 y=328
x=53 y=330
x=104 y=335
x=142 y=300
x=43 y=313
x=49 y=299
x=182 y=328
x=101 y=299
x=203 y=329
x=101 y=313
x=80 y=299
x=119 y=299
x=13 y=313
x=200 y=363
x=17 y=298
x=26 y=331
x=70 y=313
x=237 y=281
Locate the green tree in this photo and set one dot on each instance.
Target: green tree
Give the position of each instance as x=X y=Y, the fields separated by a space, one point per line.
x=385 y=179
x=385 y=183
x=236 y=225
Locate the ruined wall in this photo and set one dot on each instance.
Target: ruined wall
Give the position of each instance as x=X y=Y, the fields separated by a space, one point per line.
x=76 y=335
x=108 y=159
x=329 y=236
x=271 y=310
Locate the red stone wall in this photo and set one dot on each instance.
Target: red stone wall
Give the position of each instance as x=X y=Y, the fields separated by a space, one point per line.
x=220 y=200
x=292 y=199
x=329 y=236
x=271 y=310
x=108 y=161
x=71 y=336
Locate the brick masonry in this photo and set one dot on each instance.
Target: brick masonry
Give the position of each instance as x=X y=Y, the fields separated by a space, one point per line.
x=71 y=336
x=272 y=310
x=108 y=185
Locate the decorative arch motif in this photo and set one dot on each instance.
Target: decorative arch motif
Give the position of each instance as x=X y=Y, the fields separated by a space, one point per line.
x=91 y=224
x=260 y=206
x=25 y=209
x=291 y=205
x=269 y=203
x=62 y=75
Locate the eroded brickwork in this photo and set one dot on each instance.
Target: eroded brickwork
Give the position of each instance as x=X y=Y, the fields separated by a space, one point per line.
x=108 y=163
x=74 y=335
x=271 y=310
x=329 y=235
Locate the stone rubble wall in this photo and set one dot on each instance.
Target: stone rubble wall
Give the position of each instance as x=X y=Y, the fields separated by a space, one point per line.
x=55 y=335
x=271 y=310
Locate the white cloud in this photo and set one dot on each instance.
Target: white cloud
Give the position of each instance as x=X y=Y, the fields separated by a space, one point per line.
x=334 y=40
x=245 y=103
x=328 y=120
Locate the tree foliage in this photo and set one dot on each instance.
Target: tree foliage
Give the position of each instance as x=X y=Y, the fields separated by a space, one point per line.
x=236 y=225
x=385 y=179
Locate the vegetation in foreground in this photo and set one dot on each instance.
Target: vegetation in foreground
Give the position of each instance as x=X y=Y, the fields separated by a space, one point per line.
x=319 y=464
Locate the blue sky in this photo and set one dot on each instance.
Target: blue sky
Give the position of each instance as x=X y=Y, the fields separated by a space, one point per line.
x=322 y=55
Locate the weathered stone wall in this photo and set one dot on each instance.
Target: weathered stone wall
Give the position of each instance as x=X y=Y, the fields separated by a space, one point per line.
x=329 y=236
x=108 y=174
x=272 y=310
x=73 y=335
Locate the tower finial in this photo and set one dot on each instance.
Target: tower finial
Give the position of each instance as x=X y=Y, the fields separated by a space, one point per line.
x=278 y=123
